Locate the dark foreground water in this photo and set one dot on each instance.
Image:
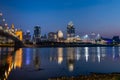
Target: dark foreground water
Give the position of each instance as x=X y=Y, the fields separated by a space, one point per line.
x=45 y=63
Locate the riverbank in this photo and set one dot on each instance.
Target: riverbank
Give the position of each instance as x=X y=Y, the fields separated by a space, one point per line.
x=92 y=76
x=68 y=45
x=57 y=44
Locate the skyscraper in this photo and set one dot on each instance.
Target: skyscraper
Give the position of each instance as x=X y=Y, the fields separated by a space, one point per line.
x=70 y=30
x=37 y=34
x=27 y=36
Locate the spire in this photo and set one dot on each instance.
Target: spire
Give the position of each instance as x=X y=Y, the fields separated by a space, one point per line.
x=70 y=24
x=12 y=26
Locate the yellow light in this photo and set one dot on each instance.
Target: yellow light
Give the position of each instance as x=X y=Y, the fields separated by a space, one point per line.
x=19 y=34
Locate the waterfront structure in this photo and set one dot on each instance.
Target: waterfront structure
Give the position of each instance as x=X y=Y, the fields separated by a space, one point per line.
x=4 y=26
x=19 y=33
x=52 y=36
x=37 y=34
x=60 y=36
x=27 y=36
x=116 y=39
x=12 y=29
x=44 y=38
x=70 y=32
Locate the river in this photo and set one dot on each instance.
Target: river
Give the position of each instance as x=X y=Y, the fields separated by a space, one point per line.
x=46 y=63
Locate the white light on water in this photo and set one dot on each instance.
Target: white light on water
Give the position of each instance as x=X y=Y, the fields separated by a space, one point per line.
x=98 y=53
x=86 y=54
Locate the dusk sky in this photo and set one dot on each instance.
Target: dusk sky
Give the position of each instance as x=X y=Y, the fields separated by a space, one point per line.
x=99 y=16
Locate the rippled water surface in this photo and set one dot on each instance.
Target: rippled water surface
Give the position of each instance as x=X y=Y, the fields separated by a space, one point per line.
x=45 y=63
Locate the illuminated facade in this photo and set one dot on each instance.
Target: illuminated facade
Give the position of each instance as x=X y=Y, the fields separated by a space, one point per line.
x=70 y=30
x=19 y=33
x=27 y=36
x=60 y=36
x=52 y=36
x=37 y=34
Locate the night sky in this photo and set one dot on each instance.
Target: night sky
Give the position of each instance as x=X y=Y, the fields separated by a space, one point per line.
x=98 y=16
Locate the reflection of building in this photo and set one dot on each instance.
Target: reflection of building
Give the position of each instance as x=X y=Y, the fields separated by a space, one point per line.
x=60 y=55
x=70 y=58
x=36 y=59
x=18 y=59
x=86 y=53
x=28 y=57
x=37 y=34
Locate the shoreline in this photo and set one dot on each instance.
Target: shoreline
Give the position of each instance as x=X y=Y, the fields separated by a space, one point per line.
x=91 y=76
x=58 y=45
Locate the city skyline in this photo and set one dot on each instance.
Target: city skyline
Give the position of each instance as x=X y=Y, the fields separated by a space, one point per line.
x=99 y=16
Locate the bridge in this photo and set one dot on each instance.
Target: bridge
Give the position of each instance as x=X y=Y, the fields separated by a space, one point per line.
x=9 y=35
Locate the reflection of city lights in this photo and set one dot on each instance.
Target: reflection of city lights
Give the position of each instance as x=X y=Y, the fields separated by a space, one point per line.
x=60 y=55
x=113 y=51
x=71 y=67
x=18 y=58
x=36 y=59
x=9 y=59
x=77 y=54
x=7 y=72
x=86 y=54
x=28 y=56
x=119 y=51
x=98 y=53
x=103 y=51
x=70 y=58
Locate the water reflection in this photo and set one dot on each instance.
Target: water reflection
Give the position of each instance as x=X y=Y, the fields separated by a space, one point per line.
x=86 y=54
x=36 y=59
x=78 y=53
x=31 y=59
x=7 y=61
x=28 y=56
x=98 y=53
x=18 y=59
x=94 y=54
x=65 y=61
x=60 y=55
x=70 y=58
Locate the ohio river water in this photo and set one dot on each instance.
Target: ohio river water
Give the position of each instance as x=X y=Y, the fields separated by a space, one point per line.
x=45 y=63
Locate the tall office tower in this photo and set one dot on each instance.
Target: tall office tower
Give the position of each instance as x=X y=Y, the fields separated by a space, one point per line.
x=70 y=30
x=27 y=36
x=37 y=34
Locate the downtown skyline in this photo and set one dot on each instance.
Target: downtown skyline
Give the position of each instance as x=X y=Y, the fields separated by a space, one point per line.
x=98 y=16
